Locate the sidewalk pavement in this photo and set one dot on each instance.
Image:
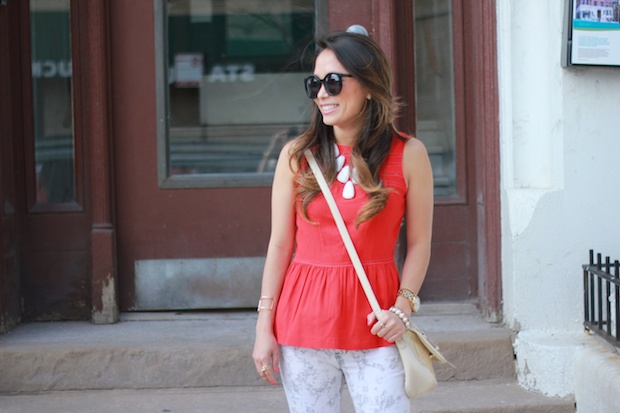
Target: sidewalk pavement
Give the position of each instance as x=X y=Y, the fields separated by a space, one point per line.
x=488 y=396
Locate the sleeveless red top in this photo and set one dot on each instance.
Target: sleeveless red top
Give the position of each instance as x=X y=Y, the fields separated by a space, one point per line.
x=322 y=304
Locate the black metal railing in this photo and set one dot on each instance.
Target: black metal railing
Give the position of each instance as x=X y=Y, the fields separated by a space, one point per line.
x=601 y=297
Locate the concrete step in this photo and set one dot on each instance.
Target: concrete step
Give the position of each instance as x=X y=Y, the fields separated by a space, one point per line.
x=485 y=396
x=186 y=350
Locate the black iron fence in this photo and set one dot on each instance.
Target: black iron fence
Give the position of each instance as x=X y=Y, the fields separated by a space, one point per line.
x=601 y=296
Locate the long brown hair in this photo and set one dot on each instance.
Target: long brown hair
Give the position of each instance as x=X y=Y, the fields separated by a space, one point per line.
x=365 y=60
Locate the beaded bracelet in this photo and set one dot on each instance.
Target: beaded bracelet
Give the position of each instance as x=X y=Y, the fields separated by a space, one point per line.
x=401 y=315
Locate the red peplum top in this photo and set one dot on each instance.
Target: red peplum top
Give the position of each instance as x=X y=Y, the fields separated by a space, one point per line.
x=322 y=304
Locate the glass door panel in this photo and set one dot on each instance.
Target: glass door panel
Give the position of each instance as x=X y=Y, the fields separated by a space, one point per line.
x=435 y=91
x=234 y=86
x=54 y=146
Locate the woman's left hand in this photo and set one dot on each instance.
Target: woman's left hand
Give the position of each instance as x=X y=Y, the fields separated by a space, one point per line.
x=389 y=326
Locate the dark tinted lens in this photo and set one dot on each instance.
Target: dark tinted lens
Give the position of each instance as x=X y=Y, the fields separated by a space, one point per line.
x=333 y=84
x=313 y=85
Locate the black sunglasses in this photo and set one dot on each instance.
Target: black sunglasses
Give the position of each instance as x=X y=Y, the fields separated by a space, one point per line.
x=331 y=81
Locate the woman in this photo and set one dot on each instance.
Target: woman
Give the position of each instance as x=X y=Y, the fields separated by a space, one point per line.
x=315 y=325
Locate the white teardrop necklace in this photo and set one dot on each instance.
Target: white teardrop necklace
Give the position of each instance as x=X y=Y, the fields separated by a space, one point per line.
x=346 y=175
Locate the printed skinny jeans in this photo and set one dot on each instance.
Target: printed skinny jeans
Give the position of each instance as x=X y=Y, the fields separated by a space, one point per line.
x=313 y=379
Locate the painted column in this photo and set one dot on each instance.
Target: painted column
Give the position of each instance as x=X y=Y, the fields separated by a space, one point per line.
x=103 y=249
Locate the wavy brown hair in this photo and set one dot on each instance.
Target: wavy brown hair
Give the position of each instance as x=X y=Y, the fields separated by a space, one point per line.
x=367 y=63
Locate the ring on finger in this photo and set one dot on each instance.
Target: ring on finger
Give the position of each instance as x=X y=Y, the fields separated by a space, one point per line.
x=265 y=368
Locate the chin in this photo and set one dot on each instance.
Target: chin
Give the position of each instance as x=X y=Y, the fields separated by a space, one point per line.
x=327 y=122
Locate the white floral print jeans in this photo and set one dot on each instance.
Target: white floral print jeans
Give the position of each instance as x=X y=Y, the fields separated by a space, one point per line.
x=313 y=378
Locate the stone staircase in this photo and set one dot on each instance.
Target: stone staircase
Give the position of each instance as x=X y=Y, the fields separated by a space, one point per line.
x=205 y=358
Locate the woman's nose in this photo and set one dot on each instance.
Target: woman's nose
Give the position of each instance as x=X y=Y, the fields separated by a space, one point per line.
x=322 y=92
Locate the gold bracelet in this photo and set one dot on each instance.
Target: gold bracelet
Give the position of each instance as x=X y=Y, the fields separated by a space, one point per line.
x=414 y=300
x=260 y=303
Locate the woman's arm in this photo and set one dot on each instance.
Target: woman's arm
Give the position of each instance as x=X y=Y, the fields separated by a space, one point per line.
x=279 y=253
x=419 y=220
x=418 y=216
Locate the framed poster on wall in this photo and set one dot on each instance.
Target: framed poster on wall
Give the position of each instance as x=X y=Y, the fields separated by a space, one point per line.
x=592 y=33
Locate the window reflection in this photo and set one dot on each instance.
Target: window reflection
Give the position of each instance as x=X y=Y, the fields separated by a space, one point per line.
x=434 y=68
x=50 y=33
x=235 y=70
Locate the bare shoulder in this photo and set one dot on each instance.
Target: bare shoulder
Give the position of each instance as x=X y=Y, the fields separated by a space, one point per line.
x=414 y=148
x=415 y=153
x=416 y=163
x=287 y=152
x=289 y=145
x=286 y=156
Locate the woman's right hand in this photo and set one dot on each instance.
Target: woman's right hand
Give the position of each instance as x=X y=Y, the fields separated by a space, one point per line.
x=266 y=356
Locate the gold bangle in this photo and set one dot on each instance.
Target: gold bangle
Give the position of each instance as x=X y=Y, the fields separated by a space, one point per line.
x=260 y=303
x=414 y=300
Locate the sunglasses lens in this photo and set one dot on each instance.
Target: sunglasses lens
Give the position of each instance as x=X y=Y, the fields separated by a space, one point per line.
x=333 y=84
x=313 y=85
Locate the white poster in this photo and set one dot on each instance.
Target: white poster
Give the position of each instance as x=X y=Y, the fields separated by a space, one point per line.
x=188 y=70
x=596 y=33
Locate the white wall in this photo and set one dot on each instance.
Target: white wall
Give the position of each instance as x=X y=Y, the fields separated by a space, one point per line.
x=560 y=174
x=597 y=378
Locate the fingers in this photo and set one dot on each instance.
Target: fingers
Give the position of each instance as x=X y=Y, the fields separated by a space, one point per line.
x=392 y=337
x=266 y=357
x=266 y=373
x=370 y=318
x=389 y=326
x=276 y=362
x=268 y=366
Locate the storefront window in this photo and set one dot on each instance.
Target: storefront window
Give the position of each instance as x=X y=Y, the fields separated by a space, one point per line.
x=435 y=109
x=50 y=33
x=234 y=85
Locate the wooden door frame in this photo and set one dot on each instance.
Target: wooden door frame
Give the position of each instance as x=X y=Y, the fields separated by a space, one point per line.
x=10 y=303
x=384 y=18
x=481 y=126
x=54 y=246
x=94 y=209
x=482 y=106
x=97 y=117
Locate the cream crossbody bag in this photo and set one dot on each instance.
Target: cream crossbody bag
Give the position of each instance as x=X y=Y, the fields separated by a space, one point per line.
x=416 y=351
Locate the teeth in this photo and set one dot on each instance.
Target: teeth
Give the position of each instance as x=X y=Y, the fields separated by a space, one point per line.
x=329 y=107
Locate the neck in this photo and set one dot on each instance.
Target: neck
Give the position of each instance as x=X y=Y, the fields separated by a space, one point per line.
x=346 y=137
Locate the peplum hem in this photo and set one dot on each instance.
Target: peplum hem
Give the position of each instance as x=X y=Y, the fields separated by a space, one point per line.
x=325 y=305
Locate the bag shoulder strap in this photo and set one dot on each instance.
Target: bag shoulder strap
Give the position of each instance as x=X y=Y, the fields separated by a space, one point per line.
x=344 y=234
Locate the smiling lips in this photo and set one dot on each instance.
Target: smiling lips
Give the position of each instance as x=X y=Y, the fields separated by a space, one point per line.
x=328 y=108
